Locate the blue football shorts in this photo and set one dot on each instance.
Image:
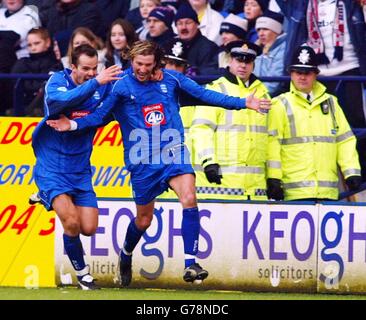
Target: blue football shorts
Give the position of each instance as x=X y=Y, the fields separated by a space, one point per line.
x=77 y=185
x=150 y=180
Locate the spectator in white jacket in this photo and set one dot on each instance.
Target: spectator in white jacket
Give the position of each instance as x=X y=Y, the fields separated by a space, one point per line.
x=210 y=20
x=18 y=18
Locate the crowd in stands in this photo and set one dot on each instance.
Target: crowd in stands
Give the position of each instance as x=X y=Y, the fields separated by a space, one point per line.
x=39 y=36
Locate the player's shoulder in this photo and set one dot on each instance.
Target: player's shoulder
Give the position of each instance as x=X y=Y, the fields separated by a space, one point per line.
x=57 y=75
x=58 y=79
x=121 y=85
x=123 y=77
x=172 y=75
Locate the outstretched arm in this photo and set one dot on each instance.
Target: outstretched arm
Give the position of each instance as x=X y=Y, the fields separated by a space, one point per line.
x=258 y=104
x=219 y=99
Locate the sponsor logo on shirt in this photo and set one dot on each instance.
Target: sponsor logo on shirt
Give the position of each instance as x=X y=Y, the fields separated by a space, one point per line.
x=154 y=115
x=79 y=114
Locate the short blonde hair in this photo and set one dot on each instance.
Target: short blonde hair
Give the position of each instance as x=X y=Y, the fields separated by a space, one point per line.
x=146 y=48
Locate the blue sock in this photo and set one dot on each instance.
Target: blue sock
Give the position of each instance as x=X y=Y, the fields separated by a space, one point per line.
x=74 y=250
x=133 y=236
x=190 y=233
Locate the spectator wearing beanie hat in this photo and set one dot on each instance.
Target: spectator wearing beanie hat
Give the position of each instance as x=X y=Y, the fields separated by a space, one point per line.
x=233 y=28
x=201 y=52
x=273 y=42
x=159 y=23
x=270 y=20
x=185 y=11
x=164 y=14
x=252 y=10
x=210 y=20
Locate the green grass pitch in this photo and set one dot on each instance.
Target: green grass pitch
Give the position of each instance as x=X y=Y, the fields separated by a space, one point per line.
x=71 y=293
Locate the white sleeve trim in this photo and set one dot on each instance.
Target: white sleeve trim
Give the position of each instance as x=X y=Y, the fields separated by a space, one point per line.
x=73 y=125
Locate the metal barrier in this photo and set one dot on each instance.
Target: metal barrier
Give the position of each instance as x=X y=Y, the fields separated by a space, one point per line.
x=340 y=79
x=18 y=87
x=346 y=194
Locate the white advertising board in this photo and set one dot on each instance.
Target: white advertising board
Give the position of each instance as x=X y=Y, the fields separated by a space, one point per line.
x=342 y=249
x=244 y=246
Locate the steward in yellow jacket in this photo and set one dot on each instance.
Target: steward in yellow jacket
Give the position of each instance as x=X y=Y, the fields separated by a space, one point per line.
x=309 y=138
x=230 y=147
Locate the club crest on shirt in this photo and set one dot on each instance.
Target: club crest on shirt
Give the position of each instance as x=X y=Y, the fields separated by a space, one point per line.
x=163 y=88
x=154 y=115
x=96 y=95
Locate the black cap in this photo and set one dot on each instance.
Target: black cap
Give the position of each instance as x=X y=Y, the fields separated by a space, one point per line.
x=185 y=11
x=243 y=50
x=304 y=59
x=176 y=50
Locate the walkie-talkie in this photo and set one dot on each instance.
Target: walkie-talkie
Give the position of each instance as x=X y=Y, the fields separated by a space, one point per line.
x=325 y=107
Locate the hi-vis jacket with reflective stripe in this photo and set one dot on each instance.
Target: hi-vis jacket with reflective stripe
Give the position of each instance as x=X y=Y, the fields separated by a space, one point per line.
x=306 y=145
x=237 y=141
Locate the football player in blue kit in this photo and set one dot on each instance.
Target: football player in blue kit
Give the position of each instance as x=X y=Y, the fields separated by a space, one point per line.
x=62 y=171
x=154 y=150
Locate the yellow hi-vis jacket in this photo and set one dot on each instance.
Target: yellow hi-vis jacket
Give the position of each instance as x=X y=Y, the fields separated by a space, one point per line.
x=236 y=140
x=307 y=144
x=187 y=113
